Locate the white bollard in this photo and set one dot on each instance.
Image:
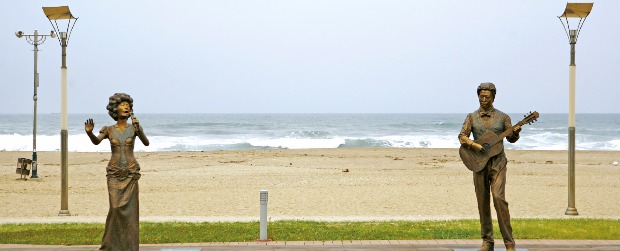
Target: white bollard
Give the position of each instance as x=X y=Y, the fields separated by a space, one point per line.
x=263 y=214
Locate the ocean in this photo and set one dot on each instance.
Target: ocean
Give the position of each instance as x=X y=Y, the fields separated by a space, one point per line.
x=203 y=132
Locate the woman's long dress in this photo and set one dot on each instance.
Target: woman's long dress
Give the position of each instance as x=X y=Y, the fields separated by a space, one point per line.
x=122 y=224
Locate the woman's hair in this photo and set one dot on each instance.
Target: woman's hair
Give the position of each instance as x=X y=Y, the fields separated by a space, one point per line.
x=115 y=100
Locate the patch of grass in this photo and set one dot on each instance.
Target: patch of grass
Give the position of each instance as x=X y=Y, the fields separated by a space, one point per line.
x=565 y=229
x=321 y=231
x=179 y=232
x=53 y=234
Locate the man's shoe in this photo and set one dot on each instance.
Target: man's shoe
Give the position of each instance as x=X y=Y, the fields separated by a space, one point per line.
x=487 y=246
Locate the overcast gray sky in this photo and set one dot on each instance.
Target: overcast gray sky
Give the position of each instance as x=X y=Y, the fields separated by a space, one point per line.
x=315 y=56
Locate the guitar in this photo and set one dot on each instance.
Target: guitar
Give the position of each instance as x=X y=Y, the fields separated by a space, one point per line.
x=475 y=160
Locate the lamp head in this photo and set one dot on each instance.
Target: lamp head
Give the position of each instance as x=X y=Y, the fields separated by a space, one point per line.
x=19 y=34
x=577 y=10
x=574 y=11
x=63 y=35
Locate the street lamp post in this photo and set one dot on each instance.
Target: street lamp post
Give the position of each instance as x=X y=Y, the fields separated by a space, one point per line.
x=33 y=39
x=54 y=14
x=580 y=11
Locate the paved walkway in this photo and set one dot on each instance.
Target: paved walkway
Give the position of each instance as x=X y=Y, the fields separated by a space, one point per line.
x=428 y=245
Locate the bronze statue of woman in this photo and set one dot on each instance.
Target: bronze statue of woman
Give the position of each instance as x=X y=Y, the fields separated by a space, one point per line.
x=122 y=224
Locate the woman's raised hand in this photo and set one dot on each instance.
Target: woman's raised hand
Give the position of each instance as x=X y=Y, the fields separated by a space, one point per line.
x=89 y=125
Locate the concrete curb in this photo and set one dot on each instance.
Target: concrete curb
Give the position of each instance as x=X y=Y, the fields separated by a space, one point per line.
x=534 y=245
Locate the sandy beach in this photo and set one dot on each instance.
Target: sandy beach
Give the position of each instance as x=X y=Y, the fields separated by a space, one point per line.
x=315 y=184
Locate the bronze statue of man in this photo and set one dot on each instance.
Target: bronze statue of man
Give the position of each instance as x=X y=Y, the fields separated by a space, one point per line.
x=492 y=178
x=123 y=171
